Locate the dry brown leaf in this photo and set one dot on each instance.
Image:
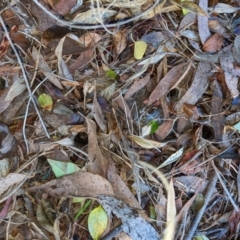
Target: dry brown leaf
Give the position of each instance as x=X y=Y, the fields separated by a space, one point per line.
x=98 y=115
x=191 y=168
x=188 y=20
x=4 y=46
x=90 y=39
x=137 y=85
x=213 y=44
x=93 y=16
x=97 y=162
x=163 y=130
x=8 y=146
x=230 y=78
x=10 y=180
x=191 y=184
x=216 y=109
x=3 y=103
x=234 y=222
x=215 y=26
x=120 y=102
x=81 y=61
x=203 y=29
x=166 y=83
x=191 y=111
x=62 y=7
x=120 y=41
x=198 y=87
x=44 y=68
x=186 y=207
x=79 y=184
x=120 y=188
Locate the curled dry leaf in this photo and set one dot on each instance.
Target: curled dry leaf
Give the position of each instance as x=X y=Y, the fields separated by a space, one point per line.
x=44 y=68
x=215 y=26
x=213 y=44
x=230 y=78
x=167 y=82
x=204 y=32
x=8 y=147
x=62 y=7
x=198 y=87
x=94 y=16
x=79 y=184
x=120 y=41
x=10 y=180
x=137 y=85
x=145 y=143
x=191 y=111
x=4 y=46
x=163 y=130
x=97 y=162
x=223 y=8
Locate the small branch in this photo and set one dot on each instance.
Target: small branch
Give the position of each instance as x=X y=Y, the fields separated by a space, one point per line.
x=198 y=217
x=113 y=233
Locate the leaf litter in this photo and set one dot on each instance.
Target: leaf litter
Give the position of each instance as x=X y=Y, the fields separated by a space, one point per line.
x=144 y=131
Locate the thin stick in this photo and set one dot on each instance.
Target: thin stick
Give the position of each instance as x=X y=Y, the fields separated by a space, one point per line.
x=198 y=217
x=24 y=75
x=66 y=23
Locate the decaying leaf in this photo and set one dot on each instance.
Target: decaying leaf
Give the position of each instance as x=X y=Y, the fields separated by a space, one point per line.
x=191 y=111
x=203 y=29
x=120 y=41
x=198 y=87
x=8 y=143
x=145 y=143
x=94 y=16
x=16 y=89
x=223 y=8
x=230 y=77
x=44 y=68
x=79 y=184
x=137 y=85
x=167 y=82
x=10 y=180
x=213 y=44
x=97 y=162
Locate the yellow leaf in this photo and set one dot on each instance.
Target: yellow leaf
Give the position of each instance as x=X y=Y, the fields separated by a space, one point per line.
x=97 y=222
x=139 y=49
x=145 y=143
x=193 y=7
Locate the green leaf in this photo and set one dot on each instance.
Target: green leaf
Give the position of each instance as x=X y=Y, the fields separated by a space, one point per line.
x=45 y=101
x=154 y=126
x=85 y=206
x=111 y=74
x=62 y=168
x=97 y=222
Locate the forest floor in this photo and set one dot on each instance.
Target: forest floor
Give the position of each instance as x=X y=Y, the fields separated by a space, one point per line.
x=119 y=120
